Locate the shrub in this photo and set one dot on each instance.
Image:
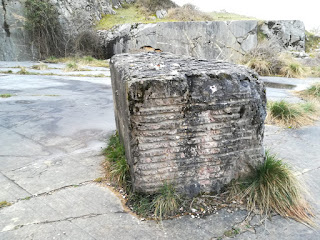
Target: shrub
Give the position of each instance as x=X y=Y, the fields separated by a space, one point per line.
x=44 y=28
x=264 y=58
x=273 y=187
x=5 y=95
x=188 y=12
x=151 y=6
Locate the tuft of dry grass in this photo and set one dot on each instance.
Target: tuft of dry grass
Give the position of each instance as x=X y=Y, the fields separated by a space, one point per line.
x=188 y=12
x=273 y=187
x=292 y=115
x=292 y=68
x=40 y=66
x=4 y=204
x=166 y=202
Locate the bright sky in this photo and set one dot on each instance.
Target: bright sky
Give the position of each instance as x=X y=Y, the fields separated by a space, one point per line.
x=307 y=10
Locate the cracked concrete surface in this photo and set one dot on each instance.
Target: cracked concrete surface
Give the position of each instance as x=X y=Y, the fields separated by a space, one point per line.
x=50 y=153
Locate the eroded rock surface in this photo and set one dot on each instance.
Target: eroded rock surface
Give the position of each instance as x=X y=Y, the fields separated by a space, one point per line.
x=195 y=123
x=288 y=34
x=209 y=40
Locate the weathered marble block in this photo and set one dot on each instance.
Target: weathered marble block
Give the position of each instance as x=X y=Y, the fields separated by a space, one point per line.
x=195 y=123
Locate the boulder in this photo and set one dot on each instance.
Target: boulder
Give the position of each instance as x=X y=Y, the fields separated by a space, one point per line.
x=161 y=13
x=195 y=123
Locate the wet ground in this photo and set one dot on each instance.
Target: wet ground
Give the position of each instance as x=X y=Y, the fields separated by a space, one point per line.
x=52 y=131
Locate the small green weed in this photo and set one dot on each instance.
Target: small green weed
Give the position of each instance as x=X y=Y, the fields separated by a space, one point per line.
x=99 y=179
x=4 y=204
x=273 y=187
x=5 y=95
x=26 y=198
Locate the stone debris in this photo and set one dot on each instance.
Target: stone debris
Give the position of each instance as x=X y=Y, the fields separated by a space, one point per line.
x=198 y=129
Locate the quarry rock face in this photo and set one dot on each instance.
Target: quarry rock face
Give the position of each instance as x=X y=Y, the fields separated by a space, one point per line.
x=209 y=40
x=195 y=123
x=287 y=34
x=14 y=42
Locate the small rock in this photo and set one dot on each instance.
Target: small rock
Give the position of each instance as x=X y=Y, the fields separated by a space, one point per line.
x=161 y=13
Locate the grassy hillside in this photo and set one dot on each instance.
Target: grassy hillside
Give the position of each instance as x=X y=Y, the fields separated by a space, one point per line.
x=138 y=13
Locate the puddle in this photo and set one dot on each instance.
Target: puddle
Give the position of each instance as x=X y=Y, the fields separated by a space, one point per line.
x=279 y=85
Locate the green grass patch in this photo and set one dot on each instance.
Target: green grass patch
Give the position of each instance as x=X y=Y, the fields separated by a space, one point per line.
x=273 y=187
x=131 y=14
x=5 y=95
x=4 y=204
x=134 y=13
x=291 y=115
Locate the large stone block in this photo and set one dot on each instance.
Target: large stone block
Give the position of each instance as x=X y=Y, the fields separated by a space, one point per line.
x=196 y=123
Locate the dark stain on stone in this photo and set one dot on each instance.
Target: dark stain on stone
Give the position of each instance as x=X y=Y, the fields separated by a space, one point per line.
x=6 y=26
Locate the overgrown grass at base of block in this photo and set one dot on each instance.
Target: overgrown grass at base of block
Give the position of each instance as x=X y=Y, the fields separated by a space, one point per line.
x=273 y=187
x=163 y=204
x=292 y=115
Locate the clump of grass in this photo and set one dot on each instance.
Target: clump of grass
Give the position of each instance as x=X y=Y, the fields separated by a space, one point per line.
x=117 y=166
x=5 y=95
x=291 y=115
x=40 y=66
x=23 y=71
x=4 y=204
x=86 y=60
x=313 y=91
x=292 y=68
x=166 y=203
x=273 y=187
x=72 y=67
x=260 y=65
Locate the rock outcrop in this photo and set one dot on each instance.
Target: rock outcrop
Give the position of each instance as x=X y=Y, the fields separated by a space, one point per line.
x=289 y=35
x=195 y=123
x=14 y=42
x=209 y=40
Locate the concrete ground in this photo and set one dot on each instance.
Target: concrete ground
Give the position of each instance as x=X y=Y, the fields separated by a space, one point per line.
x=52 y=131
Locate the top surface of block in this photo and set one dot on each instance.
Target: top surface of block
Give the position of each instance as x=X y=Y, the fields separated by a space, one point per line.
x=167 y=66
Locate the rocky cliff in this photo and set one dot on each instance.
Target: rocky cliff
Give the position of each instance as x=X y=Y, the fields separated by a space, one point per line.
x=210 y=40
x=14 y=42
x=75 y=17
